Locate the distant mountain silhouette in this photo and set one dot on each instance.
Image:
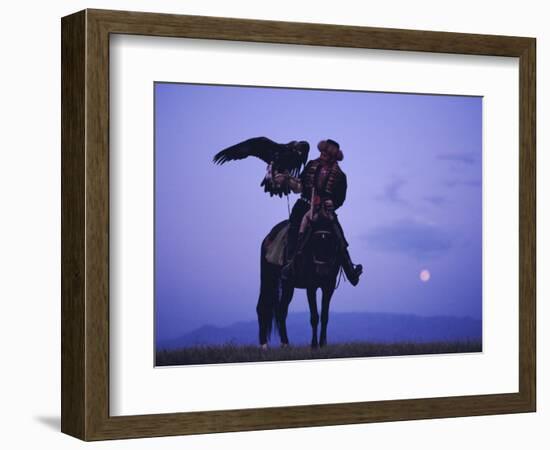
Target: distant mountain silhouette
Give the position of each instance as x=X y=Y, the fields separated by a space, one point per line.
x=343 y=327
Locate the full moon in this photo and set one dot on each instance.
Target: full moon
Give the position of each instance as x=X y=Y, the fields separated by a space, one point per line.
x=425 y=275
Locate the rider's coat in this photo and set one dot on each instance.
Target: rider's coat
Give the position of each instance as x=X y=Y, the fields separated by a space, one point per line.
x=329 y=180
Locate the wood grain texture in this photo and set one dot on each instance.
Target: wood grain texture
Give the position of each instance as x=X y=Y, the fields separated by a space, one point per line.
x=97 y=225
x=85 y=224
x=527 y=224
x=73 y=227
x=151 y=24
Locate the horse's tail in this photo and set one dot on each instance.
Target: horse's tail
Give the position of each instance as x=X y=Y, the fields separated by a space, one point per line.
x=268 y=298
x=269 y=291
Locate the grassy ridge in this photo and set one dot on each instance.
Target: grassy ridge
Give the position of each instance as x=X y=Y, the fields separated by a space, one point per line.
x=230 y=353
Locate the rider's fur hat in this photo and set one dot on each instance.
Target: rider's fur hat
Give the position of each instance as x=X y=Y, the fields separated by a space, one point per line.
x=324 y=146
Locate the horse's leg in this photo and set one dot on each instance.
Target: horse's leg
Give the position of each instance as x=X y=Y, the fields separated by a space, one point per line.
x=264 y=311
x=327 y=295
x=267 y=299
x=313 y=315
x=287 y=292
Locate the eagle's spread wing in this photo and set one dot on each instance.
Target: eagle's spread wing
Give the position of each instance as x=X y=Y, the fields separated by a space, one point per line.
x=280 y=158
x=260 y=147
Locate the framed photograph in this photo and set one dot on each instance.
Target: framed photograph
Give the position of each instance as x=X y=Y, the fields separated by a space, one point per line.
x=273 y=225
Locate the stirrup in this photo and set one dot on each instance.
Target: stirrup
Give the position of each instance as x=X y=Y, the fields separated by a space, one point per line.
x=354 y=277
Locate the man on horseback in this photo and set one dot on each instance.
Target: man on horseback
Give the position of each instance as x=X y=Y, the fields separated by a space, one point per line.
x=322 y=185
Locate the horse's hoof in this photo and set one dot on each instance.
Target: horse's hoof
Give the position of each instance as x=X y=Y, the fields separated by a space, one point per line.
x=285 y=345
x=314 y=346
x=263 y=347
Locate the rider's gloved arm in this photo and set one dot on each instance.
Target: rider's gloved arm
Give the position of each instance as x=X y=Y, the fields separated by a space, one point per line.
x=293 y=183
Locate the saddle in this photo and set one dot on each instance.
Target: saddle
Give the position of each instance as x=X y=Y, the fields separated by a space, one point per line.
x=276 y=251
x=323 y=247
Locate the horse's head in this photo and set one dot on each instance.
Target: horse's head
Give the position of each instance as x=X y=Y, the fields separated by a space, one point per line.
x=323 y=245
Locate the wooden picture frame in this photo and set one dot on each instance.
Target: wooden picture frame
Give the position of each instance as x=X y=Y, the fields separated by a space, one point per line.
x=85 y=224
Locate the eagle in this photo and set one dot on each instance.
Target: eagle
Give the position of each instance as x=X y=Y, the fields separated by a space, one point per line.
x=280 y=158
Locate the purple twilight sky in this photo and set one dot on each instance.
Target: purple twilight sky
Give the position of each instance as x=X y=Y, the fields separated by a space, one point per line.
x=414 y=200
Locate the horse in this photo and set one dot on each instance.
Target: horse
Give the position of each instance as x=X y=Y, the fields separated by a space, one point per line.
x=317 y=268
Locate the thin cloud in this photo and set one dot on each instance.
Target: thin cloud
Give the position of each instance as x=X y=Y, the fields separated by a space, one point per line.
x=392 y=192
x=436 y=200
x=418 y=240
x=464 y=158
x=467 y=183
